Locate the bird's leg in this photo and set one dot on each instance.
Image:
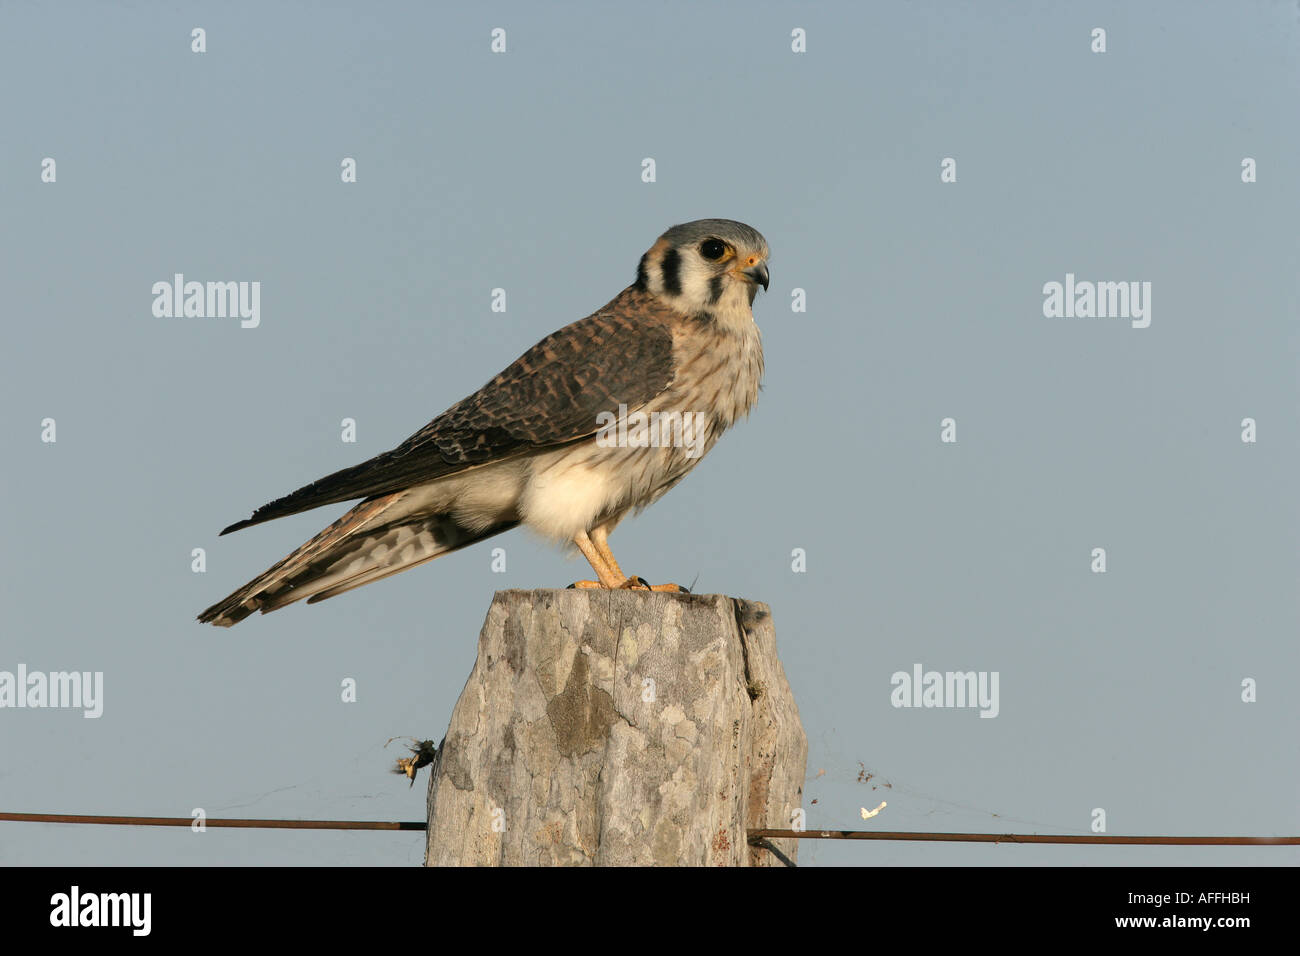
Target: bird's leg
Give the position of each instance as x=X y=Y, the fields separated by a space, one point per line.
x=609 y=577
x=600 y=538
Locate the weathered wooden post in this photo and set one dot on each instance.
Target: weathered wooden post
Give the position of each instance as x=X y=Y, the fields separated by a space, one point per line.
x=618 y=728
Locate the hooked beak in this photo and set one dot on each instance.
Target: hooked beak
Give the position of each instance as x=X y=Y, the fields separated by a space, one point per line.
x=757 y=273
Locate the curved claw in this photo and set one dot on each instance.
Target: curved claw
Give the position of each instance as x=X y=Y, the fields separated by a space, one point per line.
x=640 y=584
x=633 y=583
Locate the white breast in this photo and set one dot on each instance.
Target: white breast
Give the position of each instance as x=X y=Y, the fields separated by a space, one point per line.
x=574 y=489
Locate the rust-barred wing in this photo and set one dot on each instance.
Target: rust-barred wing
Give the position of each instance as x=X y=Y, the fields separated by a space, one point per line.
x=551 y=395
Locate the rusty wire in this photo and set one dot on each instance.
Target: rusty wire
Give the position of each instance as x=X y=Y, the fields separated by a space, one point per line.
x=1098 y=838
x=753 y=835
x=189 y=821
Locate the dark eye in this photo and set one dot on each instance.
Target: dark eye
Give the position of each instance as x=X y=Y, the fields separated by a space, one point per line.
x=713 y=248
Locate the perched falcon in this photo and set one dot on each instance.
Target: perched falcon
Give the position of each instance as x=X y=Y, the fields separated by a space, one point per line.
x=597 y=419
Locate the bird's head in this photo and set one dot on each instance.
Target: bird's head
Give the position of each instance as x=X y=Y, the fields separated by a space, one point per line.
x=712 y=266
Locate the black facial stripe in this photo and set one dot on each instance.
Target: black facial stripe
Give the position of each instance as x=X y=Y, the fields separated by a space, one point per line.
x=642 y=278
x=671 y=267
x=715 y=289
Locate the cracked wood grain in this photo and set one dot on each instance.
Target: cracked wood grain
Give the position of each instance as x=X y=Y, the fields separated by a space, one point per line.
x=619 y=728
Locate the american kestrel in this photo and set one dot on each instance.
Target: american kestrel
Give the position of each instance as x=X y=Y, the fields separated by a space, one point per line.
x=597 y=419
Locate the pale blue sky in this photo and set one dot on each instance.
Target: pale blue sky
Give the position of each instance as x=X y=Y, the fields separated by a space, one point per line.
x=522 y=171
